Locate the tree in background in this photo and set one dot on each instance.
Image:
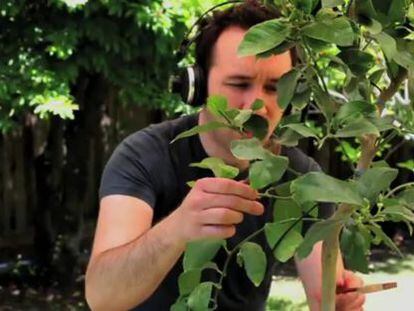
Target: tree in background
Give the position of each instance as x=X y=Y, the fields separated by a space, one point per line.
x=71 y=74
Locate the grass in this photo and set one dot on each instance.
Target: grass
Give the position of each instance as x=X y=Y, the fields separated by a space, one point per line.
x=287 y=292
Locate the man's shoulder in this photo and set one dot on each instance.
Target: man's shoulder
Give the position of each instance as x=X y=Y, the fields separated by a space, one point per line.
x=299 y=161
x=163 y=132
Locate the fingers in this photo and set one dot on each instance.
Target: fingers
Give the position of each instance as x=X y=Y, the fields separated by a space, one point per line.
x=217 y=231
x=352 y=280
x=221 y=216
x=235 y=203
x=350 y=301
x=227 y=186
x=214 y=206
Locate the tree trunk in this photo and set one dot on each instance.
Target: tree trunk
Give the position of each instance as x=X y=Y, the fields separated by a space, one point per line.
x=49 y=202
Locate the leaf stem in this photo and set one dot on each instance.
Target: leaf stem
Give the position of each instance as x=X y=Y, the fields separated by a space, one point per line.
x=318 y=72
x=251 y=236
x=409 y=184
x=230 y=255
x=268 y=195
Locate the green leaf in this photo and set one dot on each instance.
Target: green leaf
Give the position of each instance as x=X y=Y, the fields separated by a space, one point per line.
x=353 y=109
x=242 y=116
x=200 y=252
x=288 y=246
x=211 y=126
x=316 y=186
x=374 y=27
x=281 y=48
x=286 y=87
x=396 y=12
x=399 y=213
x=376 y=76
x=356 y=128
x=338 y=31
x=411 y=84
x=358 y=61
x=254 y=260
x=188 y=280
x=324 y=102
x=365 y=8
x=375 y=180
x=257 y=104
x=318 y=232
x=257 y=125
x=331 y=3
x=388 y=44
x=274 y=231
x=282 y=210
x=179 y=305
x=381 y=236
x=306 y=6
x=267 y=171
x=383 y=123
x=407 y=196
x=217 y=105
x=191 y=183
x=354 y=249
x=219 y=168
x=302 y=129
x=289 y=138
x=301 y=99
x=248 y=149
x=326 y=13
x=199 y=299
x=263 y=37
x=410 y=13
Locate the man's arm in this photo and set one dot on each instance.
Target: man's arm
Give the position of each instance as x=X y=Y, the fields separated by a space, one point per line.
x=310 y=273
x=130 y=259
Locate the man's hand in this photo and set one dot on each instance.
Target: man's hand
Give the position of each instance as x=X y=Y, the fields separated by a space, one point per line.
x=350 y=301
x=213 y=207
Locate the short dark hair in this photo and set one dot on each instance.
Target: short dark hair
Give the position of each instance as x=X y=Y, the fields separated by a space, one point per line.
x=244 y=15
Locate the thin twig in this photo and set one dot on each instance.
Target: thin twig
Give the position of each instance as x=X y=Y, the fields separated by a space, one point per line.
x=394 y=149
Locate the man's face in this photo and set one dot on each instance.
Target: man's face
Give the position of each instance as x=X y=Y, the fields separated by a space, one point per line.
x=242 y=80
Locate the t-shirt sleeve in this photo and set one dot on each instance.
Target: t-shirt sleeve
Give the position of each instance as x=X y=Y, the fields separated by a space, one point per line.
x=126 y=173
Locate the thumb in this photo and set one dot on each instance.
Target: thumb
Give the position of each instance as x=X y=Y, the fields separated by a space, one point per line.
x=341 y=279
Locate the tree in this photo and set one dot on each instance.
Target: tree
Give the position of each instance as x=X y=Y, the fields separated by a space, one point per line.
x=368 y=46
x=65 y=68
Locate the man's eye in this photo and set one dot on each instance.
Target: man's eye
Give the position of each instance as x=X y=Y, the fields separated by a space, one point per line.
x=271 y=88
x=239 y=85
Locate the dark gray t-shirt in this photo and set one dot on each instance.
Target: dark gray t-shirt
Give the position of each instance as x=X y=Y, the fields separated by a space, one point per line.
x=145 y=165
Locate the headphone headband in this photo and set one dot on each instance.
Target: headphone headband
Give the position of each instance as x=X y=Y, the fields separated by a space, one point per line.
x=191 y=82
x=187 y=41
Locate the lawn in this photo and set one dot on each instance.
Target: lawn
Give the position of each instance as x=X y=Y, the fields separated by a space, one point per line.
x=287 y=293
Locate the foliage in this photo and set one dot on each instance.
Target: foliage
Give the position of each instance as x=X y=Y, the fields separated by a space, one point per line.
x=46 y=46
x=368 y=46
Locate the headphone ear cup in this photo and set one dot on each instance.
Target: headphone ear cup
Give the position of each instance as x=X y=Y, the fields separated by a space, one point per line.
x=200 y=90
x=190 y=83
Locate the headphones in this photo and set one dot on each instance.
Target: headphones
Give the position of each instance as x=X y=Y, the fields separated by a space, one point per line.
x=191 y=82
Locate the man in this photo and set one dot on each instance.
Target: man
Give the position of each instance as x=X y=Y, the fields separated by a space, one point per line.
x=148 y=214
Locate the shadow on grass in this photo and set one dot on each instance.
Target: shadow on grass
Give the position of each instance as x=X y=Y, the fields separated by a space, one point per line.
x=394 y=265
x=277 y=304
x=383 y=260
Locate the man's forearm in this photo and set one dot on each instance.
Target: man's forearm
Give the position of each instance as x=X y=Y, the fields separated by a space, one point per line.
x=123 y=277
x=310 y=273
